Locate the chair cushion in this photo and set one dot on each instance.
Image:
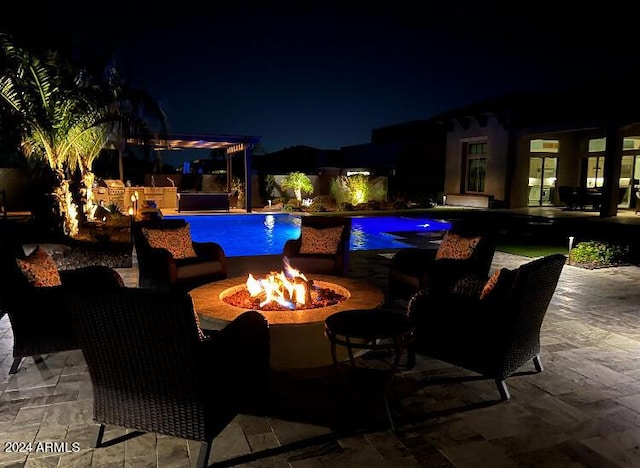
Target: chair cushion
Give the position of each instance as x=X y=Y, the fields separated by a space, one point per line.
x=320 y=241
x=40 y=269
x=456 y=247
x=498 y=285
x=176 y=240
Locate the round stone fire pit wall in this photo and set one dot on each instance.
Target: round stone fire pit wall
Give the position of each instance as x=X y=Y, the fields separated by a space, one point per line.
x=297 y=336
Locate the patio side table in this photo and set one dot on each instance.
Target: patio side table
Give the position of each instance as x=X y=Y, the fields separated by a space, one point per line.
x=370 y=330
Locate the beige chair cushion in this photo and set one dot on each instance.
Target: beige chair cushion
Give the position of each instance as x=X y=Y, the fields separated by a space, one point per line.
x=499 y=284
x=456 y=247
x=40 y=269
x=320 y=241
x=176 y=240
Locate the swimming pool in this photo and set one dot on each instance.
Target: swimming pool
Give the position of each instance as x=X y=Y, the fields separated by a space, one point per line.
x=258 y=234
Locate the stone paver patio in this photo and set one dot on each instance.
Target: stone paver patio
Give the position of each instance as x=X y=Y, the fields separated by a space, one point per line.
x=583 y=410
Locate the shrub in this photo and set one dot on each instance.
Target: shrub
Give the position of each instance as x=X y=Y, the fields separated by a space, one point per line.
x=355 y=189
x=324 y=203
x=115 y=209
x=598 y=254
x=267 y=185
x=289 y=207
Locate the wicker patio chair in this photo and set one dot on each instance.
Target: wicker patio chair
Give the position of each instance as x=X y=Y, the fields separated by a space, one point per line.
x=153 y=370
x=322 y=247
x=161 y=270
x=39 y=322
x=491 y=330
x=414 y=269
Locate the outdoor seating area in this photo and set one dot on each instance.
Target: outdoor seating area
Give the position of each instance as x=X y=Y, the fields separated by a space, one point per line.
x=152 y=369
x=147 y=381
x=490 y=325
x=169 y=260
x=464 y=250
x=39 y=321
x=583 y=198
x=323 y=245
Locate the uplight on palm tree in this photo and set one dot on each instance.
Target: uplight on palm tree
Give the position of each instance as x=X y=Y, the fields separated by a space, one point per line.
x=33 y=90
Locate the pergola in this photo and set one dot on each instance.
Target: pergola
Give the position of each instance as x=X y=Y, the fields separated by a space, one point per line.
x=232 y=144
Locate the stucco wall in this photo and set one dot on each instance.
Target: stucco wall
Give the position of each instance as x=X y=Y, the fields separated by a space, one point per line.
x=21 y=188
x=497 y=139
x=571 y=150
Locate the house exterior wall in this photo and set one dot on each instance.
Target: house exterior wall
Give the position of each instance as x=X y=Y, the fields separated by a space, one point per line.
x=497 y=139
x=572 y=148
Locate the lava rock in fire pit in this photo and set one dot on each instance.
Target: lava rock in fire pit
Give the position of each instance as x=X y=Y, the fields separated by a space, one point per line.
x=320 y=297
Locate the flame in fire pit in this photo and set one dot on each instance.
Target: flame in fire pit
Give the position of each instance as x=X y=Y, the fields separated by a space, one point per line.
x=289 y=288
x=286 y=290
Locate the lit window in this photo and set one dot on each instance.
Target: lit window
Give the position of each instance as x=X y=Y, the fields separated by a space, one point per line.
x=597 y=145
x=595 y=171
x=631 y=143
x=476 y=166
x=544 y=146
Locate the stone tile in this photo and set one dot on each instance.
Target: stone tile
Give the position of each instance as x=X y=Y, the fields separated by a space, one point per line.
x=547 y=457
x=34 y=376
x=109 y=455
x=50 y=461
x=140 y=445
x=364 y=456
x=603 y=374
x=80 y=459
x=478 y=454
x=264 y=441
x=148 y=461
x=631 y=401
x=598 y=451
x=28 y=416
x=11 y=459
x=230 y=443
x=172 y=452
x=289 y=432
x=69 y=413
x=27 y=393
x=82 y=435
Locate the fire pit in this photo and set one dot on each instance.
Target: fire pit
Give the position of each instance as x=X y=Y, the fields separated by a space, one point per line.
x=297 y=334
x=288 y=289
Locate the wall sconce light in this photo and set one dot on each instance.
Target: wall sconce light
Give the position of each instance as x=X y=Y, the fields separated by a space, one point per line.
x=444 y=200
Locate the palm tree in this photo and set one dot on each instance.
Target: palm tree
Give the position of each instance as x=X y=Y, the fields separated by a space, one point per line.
x=68 y=116
x=298 y=182
x=88 y=146
x=54 y=117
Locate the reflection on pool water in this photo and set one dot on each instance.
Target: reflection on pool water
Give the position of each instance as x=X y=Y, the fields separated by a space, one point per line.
x=266 y=234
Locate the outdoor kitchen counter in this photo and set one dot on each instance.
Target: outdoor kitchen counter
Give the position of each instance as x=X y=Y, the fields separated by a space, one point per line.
x=164 y=197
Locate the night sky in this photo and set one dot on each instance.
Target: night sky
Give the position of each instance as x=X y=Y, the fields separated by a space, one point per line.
x=326 y=75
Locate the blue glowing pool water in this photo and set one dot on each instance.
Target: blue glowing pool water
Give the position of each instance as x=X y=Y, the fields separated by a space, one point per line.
x=266 y=234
